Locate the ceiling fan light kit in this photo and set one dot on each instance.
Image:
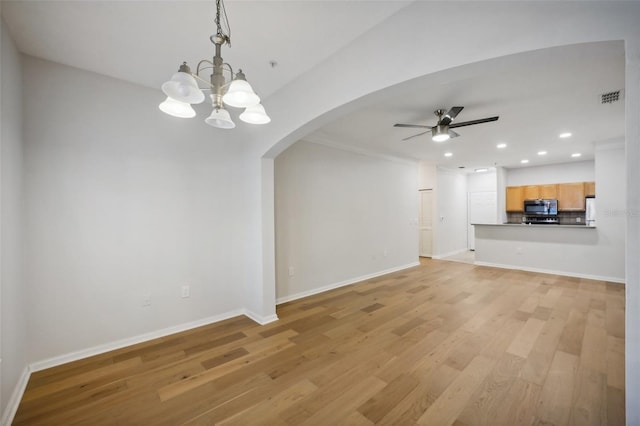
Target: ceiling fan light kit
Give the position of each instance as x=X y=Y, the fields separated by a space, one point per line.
x=442 y=132
x=183 y=89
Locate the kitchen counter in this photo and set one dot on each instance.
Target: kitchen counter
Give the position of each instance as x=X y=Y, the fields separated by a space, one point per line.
x=556 y=249
x=524 y=225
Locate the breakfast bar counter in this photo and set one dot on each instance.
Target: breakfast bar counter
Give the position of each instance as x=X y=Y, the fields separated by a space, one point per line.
x=559 y=249
x=523 y=225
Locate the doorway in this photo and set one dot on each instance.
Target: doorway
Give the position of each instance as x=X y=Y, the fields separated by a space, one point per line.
x=425 y=202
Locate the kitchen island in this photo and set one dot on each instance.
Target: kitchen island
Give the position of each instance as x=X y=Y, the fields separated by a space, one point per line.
x=573 y=250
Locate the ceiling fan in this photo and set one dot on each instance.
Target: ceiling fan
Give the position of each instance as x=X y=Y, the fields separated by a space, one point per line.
x=442 y=130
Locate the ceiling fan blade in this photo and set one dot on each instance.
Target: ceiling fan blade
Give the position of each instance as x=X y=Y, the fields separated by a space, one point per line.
x=413 y=126
x=453 y=134
x=469 y=123
x=451 y=115
x=419 y=134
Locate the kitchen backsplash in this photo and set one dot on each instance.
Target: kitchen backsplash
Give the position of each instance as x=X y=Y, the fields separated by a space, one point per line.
x=565 y=218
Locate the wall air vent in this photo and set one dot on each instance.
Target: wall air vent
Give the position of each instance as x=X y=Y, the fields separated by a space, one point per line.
x=610 y=97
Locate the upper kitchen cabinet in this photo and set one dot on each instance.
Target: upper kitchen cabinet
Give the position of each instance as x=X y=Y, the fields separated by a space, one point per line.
x=571 y=196
x=590 y=189
x=515 y=198
x=548 y=191
x=531 y=192
x=536 y=192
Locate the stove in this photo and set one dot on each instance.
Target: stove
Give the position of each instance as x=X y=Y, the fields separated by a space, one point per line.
x=542 y=220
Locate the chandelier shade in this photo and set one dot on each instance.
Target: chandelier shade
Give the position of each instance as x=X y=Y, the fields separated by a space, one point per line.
x=255 y=115
x=240 y=94
x=221 y=119
x=176 y=108
x=184 y=88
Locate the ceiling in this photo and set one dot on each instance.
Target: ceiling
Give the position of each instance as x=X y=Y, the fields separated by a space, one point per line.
x=536 y=94
x=144 y=42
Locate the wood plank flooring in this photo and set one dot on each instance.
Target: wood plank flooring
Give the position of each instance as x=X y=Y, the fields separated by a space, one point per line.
x=439 y=344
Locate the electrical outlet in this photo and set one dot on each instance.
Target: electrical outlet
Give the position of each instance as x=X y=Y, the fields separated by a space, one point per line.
x=578 y=219
x=146 y=300
x=292 y=271
x=186 y=291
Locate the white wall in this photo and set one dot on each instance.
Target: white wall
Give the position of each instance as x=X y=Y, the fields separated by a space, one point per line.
x=124 y=201
x=13 y=306
x=450 y=222
x=579 y=171
x=427 y=175
x=632 y=267
x=341 y=216
x=611 y=197
x=481 y=182
x=593 y=253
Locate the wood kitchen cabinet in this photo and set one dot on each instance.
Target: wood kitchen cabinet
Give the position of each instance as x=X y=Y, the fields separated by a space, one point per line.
x=589 y=189
x=548 y=191
x=571 y=196
x=531 y=192
x=515 y=198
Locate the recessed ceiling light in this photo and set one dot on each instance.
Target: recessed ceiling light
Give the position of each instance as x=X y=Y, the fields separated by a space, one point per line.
x=577 y=154
x=448 y=154
x=524 y=161
x=542 y=152
x=482 y=170
x=564 y=135
x=501 y=145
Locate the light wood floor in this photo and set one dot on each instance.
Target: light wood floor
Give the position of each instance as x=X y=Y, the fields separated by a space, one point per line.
x=443 y=343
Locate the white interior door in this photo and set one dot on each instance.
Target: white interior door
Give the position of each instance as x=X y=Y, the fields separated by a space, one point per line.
x=482 y=207
x=426 y=222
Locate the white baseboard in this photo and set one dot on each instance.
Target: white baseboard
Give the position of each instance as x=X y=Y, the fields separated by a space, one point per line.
x=322 y=289
x=16 y=397
x=260 y=319
x=451 y=253
x=96 y=350
x=550 y=271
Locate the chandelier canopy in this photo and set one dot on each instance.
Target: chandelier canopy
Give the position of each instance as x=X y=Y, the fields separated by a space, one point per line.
x=183 y=89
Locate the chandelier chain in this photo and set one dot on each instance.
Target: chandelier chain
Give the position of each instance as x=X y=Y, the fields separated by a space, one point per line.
x=222 y=13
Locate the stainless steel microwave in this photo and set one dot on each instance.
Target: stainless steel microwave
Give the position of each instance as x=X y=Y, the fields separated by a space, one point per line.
x=546 y=207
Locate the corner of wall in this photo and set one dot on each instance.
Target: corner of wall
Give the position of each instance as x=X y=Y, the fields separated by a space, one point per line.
x=13 y=403
x=14 y=339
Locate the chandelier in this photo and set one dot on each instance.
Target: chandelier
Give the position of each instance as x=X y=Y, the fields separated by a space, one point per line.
x=183 y=90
